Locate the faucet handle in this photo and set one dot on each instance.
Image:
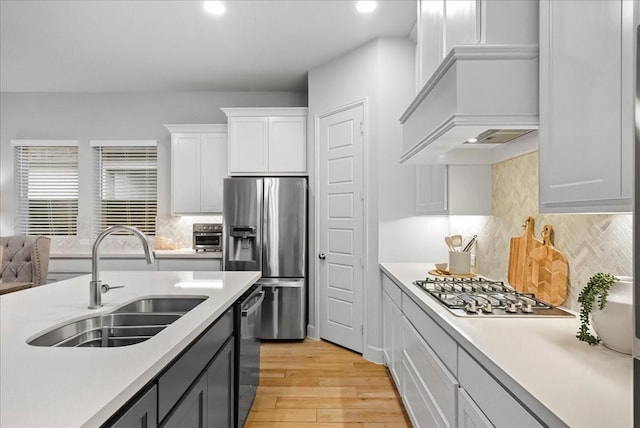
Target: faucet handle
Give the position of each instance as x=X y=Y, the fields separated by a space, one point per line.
x=107 y=287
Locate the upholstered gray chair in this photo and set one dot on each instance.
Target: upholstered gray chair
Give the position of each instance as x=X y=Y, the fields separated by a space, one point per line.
x=25 y=258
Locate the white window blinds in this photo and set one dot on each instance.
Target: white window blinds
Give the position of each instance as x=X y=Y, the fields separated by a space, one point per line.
x=46 y=184
x=126 y=184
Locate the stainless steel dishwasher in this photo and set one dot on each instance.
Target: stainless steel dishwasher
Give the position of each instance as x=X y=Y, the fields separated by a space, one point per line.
x=248 y=316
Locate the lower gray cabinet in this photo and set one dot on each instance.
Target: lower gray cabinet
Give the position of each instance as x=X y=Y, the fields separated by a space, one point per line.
x=220 y=389
x=143 y=413
x=195 y=390
x=192 y=409
x=209 y=401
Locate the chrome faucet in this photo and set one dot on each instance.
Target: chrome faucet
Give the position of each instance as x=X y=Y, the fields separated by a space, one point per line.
x=95 y=286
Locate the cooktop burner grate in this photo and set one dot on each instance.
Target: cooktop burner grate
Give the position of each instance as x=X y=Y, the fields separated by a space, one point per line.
x=483 y=297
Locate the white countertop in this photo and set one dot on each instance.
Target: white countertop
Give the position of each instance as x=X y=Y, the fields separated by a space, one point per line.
x=183 y=253
x=538 y=359
x=72 y=387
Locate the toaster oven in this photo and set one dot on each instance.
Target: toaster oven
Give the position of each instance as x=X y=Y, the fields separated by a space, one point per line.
x=207 y=236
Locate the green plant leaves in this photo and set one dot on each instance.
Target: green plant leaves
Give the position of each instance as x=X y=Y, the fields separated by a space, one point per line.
x=596 y=291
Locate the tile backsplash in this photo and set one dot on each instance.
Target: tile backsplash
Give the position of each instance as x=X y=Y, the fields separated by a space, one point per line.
x=177 y=228
x=590 y=242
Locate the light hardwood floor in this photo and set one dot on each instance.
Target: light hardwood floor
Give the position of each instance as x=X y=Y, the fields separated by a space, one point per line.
x=317 y=384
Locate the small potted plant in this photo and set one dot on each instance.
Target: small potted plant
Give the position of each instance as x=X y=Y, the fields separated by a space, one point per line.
x=613 y=324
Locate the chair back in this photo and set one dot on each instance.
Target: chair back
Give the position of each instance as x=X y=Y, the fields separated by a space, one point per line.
x=25 y=258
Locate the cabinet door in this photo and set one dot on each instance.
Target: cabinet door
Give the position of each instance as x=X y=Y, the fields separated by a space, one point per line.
x=192 y=410
x=431 y=189
x=461 y=23
x=142 y=414
x=287 y=144
x=185 y=173
x=213 y=155
x=248 y=138
x=430 y=38
x=220 y=389
x=469 y=414
x=585 y=132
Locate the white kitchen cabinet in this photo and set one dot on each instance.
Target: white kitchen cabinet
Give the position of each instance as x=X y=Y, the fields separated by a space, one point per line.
x=441 y=385
x=437 y=385
x=586 y=105
x=469 y=414
x=461 y=23
x=495 y=402
x=392 y=329
x=415 y=400
x=453 y=190
x=430 y=43
x=267 y=140
x=443 y=24
x=198 y=167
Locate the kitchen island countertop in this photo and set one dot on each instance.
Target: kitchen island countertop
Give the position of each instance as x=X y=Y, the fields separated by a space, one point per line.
x=538 y=359
x=65 y=387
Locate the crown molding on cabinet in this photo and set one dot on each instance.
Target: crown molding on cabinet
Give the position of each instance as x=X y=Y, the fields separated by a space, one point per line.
x=265 y=111
x=197 y=128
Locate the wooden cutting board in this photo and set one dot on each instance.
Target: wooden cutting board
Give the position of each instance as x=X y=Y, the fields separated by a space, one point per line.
x=519 y=269
x=549 y=270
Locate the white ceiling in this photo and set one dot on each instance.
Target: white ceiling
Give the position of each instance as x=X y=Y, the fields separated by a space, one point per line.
x=114 y=46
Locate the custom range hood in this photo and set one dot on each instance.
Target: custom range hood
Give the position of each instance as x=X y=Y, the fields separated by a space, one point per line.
x=479 y=107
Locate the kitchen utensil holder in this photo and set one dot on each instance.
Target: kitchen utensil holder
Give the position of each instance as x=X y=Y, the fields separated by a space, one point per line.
x=459 y=262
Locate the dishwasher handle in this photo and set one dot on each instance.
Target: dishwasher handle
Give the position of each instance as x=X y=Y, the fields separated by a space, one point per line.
x=255 y=306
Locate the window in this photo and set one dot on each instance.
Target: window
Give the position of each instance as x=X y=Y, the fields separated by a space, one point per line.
x=126 y=184
x=46 y=184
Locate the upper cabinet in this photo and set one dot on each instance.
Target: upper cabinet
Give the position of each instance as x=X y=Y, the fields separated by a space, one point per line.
x=478 y=74
x=586 y=105
x=198 y=167
x=441 y=26
x=453 y=190
x=267 y=140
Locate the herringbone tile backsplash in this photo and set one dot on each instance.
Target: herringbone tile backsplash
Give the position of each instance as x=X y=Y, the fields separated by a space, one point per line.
x=591 y=243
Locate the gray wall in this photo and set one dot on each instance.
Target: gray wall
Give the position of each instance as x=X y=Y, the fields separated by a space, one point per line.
x=381 y=72
x=116 y=116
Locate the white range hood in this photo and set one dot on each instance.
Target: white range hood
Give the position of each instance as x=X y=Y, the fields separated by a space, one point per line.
x=483 y=92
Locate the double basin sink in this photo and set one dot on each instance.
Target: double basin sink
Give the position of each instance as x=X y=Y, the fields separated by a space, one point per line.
x=132 y=323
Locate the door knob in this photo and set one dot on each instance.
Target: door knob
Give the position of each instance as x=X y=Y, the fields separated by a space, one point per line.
x=321 y=256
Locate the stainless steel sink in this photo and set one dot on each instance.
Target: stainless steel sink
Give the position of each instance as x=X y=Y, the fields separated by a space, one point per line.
x=130 y=324
x=161 y=305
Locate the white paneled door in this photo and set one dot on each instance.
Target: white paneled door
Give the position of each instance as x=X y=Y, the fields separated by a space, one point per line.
x=341 y=244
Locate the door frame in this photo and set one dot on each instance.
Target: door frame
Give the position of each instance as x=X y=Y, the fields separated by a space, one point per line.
x=364 y=103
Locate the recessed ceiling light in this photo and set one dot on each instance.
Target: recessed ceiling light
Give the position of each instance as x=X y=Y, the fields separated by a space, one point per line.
x=214 y=7
x=366 y=6
x=472 y=140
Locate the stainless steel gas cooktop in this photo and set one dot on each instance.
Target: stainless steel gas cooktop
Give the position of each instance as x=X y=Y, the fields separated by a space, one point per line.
x=479 y=297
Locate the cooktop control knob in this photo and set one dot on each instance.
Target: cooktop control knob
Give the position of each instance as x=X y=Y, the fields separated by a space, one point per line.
x=511 y=307
x=526 y=308
x=471 y=308
x=487 y=308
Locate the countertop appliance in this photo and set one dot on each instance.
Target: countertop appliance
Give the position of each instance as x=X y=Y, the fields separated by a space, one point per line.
x=265 y=229
x=207 y=237
x=247 y=351
x=484 y=298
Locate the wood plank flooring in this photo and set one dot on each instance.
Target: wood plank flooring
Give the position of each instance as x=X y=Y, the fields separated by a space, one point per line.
x=316 y=384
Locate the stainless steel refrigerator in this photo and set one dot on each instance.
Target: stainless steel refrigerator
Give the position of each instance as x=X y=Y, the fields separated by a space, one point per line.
x=265 y=229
